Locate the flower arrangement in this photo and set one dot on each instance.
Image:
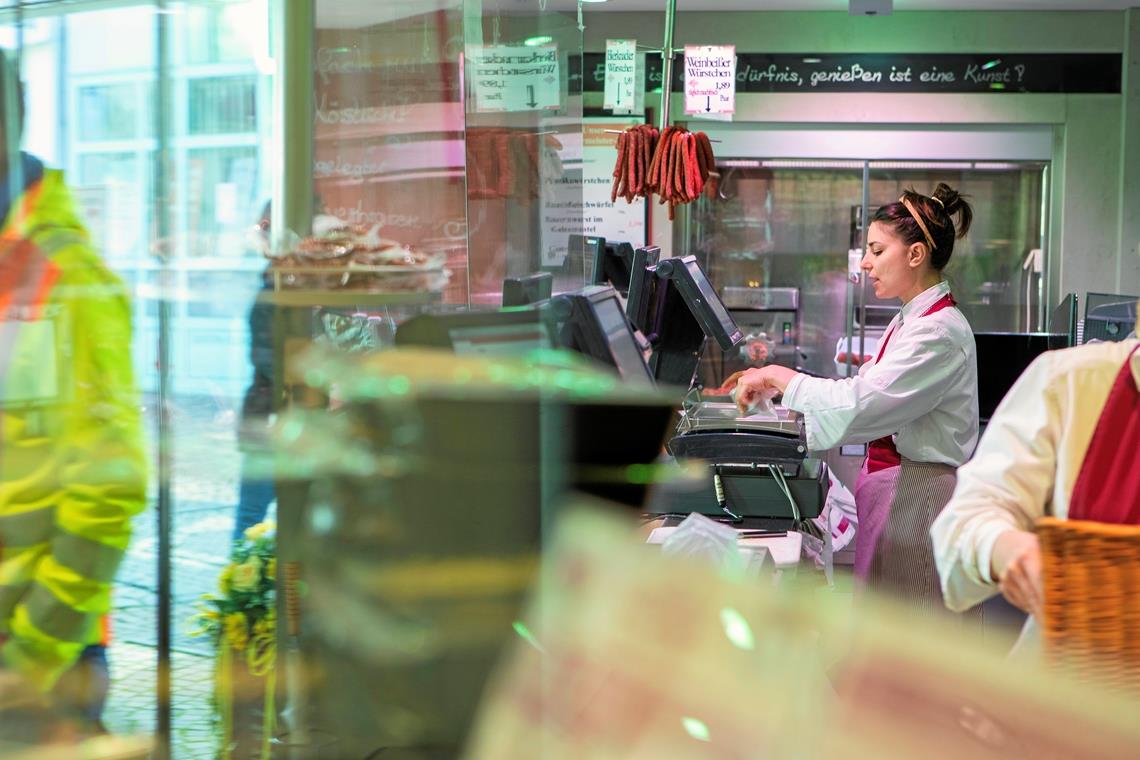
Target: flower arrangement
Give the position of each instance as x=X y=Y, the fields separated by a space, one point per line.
x=241 y=620
x=244 y=612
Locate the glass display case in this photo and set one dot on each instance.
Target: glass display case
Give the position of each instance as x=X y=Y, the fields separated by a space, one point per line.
x=782 y=240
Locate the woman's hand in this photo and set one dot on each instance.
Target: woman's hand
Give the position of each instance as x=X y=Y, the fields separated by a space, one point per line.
x=765 y=382
x=728 y=385
x=1016 y=563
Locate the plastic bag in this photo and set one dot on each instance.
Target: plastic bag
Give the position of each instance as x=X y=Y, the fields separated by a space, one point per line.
x=700 y=538
x=761 y=406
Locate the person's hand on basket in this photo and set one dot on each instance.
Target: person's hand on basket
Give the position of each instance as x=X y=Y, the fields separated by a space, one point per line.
x=1016 y=563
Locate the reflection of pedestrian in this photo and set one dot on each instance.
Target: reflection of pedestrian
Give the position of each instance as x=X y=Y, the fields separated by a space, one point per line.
x=72 y=464
x=256 y=490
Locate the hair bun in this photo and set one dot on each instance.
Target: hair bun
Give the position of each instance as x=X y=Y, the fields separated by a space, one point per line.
x=954 y=203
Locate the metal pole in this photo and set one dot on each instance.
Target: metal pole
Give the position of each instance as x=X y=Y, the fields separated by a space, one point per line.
x=293 y=27
x=862 y=275
x=1044 y=288
x=667 y=64
x=165 y=248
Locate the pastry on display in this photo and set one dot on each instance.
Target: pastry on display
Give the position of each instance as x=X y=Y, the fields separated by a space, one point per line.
x=354 y=257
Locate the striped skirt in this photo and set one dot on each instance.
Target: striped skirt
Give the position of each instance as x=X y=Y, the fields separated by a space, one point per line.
x=893 y=551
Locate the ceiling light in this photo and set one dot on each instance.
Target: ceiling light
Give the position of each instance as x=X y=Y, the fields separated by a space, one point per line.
x=594 y=1
x=813 y=60
x=990 y=64
x=869 y=7
x=536 y=41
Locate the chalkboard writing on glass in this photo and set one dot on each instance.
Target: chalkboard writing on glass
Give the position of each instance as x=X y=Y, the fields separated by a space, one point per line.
x=973 y=72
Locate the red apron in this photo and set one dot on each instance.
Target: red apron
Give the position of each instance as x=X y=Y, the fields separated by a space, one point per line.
x=1108 y=486
x=881 y=453
x=875 y=493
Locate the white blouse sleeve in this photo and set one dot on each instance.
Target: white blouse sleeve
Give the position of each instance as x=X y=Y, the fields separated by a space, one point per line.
x=909 y=382
x=1006 y=486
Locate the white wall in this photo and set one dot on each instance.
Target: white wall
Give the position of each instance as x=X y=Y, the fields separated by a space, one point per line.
x=1096 y=203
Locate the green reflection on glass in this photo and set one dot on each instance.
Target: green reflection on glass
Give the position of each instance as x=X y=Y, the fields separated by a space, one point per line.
x=399 y=385
x=292 y=428
x=737 y=629
x=639 y=473
x=542 y=39
x=696 y=729
x=525 y=634
x=564 y=379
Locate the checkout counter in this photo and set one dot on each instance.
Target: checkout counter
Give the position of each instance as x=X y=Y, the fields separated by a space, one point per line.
x=760 y=474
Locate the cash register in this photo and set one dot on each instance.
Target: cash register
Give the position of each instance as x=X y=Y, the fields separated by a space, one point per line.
x=759 y=465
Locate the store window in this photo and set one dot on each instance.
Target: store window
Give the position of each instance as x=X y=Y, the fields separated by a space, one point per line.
x=110 y=112
x=222 y=105
x=795 y=224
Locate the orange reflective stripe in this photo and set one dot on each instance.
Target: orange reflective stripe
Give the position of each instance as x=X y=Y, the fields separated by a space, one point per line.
x=14 y=265
x=51 y=274
x=105 y=627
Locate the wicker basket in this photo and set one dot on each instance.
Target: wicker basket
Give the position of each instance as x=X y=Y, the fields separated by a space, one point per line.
x=1091 y=620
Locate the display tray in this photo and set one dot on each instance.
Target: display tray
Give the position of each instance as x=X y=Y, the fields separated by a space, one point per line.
x=345 y=297
x=712 y=415
x=377 y=278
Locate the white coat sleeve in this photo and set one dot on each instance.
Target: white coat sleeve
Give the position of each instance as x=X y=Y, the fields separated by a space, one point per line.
x=1006 y=486
x=908 y=383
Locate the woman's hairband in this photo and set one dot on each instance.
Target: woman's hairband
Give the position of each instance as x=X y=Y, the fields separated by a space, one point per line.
x=922 y=225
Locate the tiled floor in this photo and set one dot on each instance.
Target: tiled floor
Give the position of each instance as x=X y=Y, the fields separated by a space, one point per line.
x=204 y=487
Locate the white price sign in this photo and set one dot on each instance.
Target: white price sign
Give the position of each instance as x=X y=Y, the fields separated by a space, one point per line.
x=710 y=79
x=621 y=75
x=515 y=77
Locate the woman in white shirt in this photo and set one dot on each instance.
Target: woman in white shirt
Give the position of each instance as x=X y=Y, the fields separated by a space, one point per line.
x=1062 y=442
x=916 y=403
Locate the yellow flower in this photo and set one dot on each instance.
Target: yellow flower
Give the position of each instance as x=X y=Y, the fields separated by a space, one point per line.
x=247 y=575
x=237 y=630
x=254 y=532
x=225 y=578
x=271 y=569
x=263 y=627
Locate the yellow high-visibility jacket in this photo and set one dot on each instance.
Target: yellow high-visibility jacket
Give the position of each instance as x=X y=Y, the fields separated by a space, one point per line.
x=72 y=461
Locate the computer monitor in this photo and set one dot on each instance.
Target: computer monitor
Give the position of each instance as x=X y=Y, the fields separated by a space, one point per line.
x=524 y=291
x=1002 y=357
x=1109 y=316
x=582 y=251
x=492 y=333
x=1063 y=320
x=642 y=286
x=614 y=266
x=676 y=309
x=593 y=324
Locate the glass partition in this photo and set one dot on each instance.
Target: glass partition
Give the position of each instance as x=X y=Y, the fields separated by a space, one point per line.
x=781 y=225
x=177 y=210
x=782 y=240
x=997 y=270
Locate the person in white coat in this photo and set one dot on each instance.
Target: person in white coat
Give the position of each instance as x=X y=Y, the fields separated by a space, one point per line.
x=1062 y=442
x=916 y=402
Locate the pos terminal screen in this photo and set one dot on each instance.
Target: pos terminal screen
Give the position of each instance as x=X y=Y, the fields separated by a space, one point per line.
x=705 y=304
x=627 y=355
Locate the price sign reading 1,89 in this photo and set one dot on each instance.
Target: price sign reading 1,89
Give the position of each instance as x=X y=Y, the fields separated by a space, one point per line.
x=710 y=79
